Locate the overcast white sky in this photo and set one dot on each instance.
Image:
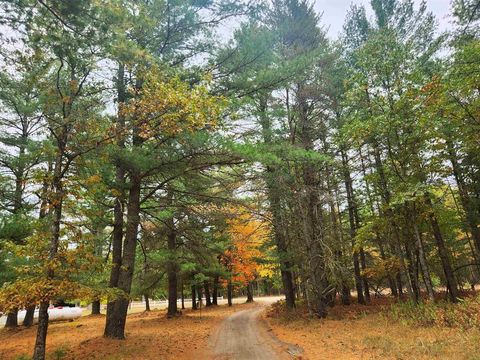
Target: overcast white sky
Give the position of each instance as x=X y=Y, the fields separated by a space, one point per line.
x=334 y=12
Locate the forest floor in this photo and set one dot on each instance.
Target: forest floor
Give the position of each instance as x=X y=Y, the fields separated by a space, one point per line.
x=368 y=332
x=150 y=335
x=349 y=332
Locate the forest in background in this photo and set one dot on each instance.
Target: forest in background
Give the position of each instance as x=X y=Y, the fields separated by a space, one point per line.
x=146 y=151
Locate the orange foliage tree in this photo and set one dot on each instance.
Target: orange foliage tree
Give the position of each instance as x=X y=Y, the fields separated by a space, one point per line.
x=248 y=234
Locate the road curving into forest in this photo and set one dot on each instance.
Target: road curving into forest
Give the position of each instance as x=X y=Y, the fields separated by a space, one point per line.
x=244 y=336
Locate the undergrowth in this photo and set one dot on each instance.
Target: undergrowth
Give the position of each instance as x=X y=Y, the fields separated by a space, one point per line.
x=464 y=315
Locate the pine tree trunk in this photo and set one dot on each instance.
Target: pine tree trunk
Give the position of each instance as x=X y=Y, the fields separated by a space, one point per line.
x=230 y=293
x=118 y=210
x=353 y=228
x=194 y=298
x=29 y=315
x=172 y=270
x=147 y=302
x=276 y=210
x=96 y=307
x=208 y=299
x=182 y=286
x=115 y=324
x=199 y=295
x=363 y=263
x=215 y=291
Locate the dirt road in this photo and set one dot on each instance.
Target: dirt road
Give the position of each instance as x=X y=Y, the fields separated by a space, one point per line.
x=242 y=336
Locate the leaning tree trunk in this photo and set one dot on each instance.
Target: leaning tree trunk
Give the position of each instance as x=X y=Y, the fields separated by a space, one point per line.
x=29 y=315
x=427 y=279
x=472 y=218
x=443 y=252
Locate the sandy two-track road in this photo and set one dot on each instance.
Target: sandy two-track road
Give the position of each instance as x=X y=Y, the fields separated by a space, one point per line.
x=243 y=336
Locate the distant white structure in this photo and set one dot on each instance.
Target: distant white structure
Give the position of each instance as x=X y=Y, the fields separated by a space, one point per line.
x=54 y=314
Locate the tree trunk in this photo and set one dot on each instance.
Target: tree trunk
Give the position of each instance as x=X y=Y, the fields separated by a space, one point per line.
x=442 y=252
x=12 y=319
x=115 y=324
x=96 y=307
x=147 y=302
x=208 y=299
x=57 y=197
x=29 y=315
x=353 y=227
x=471 y=217
x=199 y=294
x=230 y=293
x=423 y=264
x=363 y=263
x=41 y=339
x=183 y=294
x=172 y=270
x=276 y=210
x=118 y=210
x=345 y=295
x=215 y=291
x=249 y=293
x=194 y=298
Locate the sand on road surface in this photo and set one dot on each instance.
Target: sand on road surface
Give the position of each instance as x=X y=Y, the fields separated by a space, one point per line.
x=243 y=336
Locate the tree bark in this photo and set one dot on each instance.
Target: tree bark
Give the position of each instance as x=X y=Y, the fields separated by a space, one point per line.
x=276 y=210
x=471 y=216
x=215 y=290
x=172 y=270
x=249 y=293
x=118 y=210
x=96 y=307
x=115 y=324
x=353 y=227
x=147 y=302
x=12 y=319
x=194 y=298
x=423 y=264
x=56 y=211
x=442 y=252
x=29 y=315
x=208 y=299
x=182 y=286
x=41 y=339
x=230 y=293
